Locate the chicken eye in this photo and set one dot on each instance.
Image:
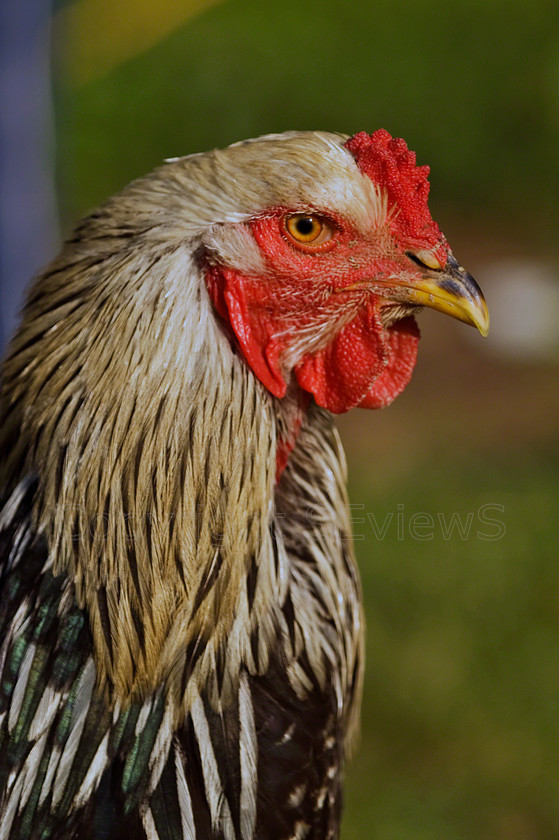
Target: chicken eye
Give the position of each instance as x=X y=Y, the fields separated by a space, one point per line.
x=308 y=231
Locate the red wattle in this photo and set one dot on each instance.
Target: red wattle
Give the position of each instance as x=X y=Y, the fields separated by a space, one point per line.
x=403 y=338
x=340 y=374
x=364 y=365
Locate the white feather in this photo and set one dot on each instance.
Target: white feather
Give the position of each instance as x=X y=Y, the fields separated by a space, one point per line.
x=31 y=768
x=21 y=685
x=161 y=747
x=49 y=776
x=93 y=775
x=81 y=709
x=185 y=802
x=10 y=811
x=149 y=825
x=11 y=507
x=248 y=754
x=45 y=713
x=220 y=812
x=143 y=716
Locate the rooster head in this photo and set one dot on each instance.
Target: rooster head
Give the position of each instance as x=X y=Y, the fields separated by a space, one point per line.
x=341 y=264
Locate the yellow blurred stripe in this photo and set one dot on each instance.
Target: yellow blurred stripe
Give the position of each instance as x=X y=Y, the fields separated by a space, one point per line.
x=93 y=36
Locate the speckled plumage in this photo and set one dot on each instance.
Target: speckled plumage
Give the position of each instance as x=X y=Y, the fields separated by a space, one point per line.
x=138 y=453
x=180 y=615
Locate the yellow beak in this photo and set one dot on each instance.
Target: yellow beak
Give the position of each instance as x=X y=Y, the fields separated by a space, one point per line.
x=454 y=292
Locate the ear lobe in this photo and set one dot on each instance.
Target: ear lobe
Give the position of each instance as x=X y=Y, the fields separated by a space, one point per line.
x=253 y=331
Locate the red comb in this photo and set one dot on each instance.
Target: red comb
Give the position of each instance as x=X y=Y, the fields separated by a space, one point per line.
x=390 y=164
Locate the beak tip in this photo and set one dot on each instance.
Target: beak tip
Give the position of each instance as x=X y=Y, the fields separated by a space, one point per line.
x=481 y=319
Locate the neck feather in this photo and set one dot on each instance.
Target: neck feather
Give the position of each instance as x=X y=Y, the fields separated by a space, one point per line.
x=155 y=448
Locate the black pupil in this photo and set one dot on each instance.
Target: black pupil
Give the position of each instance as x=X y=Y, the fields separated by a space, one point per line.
x=305 y=226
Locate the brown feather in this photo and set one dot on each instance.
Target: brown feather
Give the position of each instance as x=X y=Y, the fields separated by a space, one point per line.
x=155 y=446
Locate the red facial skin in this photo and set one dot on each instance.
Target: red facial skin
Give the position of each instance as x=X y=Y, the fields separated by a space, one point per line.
x=334 y=293
x=316 y=291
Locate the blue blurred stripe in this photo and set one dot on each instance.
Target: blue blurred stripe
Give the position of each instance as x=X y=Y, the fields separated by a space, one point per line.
x=28 y=216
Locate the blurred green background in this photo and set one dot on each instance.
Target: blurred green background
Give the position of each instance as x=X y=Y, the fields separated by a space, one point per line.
x=461 y=709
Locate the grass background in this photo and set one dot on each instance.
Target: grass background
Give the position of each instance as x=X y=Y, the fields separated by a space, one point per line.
x=461 y=713
x=461 y=708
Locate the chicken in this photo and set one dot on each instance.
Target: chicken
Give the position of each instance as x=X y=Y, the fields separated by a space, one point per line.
x=181 y=625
